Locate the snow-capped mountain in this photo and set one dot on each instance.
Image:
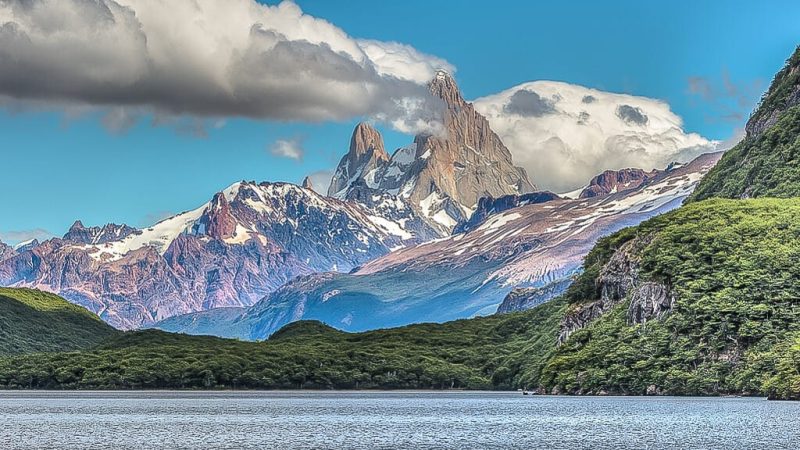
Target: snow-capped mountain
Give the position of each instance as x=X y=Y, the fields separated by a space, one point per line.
x=247 y=241
x=441 y=176
x=533 y=243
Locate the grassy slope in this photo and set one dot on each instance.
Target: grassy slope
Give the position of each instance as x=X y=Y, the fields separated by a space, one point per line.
x=36 y=321
x=492 y=352
x=735 y=266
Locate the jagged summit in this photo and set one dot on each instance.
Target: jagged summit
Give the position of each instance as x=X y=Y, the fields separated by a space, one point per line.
x=441 y=176
x=365 y=156
x=307 y=184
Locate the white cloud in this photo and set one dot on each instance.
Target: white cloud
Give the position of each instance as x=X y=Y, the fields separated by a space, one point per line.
x=203 y=58
x=564 y=134
x=287 y=148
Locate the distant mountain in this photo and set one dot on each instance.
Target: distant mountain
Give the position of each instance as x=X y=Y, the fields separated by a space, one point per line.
x=247 y=241
x=6 y=251
x=765 y=162
x=36 y=321
x=462 y=275
x=441 y=176
x=612 y=181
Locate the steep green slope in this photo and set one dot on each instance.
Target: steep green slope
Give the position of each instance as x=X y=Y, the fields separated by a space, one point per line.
x=733 y=268
x=491 y=352
x=36 y=321
x=767 y=161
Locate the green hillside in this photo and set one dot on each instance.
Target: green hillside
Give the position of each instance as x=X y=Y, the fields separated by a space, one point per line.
x=483 y=353
x=734 y=267
x=36 y=321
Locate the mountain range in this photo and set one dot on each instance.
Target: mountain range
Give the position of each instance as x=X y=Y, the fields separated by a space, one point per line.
x=441 y=229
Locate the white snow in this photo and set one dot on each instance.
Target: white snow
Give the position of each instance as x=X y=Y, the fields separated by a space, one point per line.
x=23 y=244
x=444 y=219
x=390 y=227
x=241 y=235
x=498 y=221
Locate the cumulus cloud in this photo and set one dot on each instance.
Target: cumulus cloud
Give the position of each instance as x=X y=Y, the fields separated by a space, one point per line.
x=17 y=236
x=287 y=148
x=205 y=58
x=587 y=131
x=529 y=103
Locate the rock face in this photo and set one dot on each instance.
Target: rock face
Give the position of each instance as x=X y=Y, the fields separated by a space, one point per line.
x=307 y=184
x=619 y=281
x=488 y=206
x=650 y=301
x=97 y=235
x=535 y=245
x=442 y=176
x=612 y=181
x=247 y=241
x=521 y=299
x=363 y=160
x=6 y=251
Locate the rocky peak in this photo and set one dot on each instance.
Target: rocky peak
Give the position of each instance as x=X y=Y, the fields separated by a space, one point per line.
x=6 y=251
x=612 y=181
x=307 y=184
x=217 y=220
x=81 y=234
x=367 y=141
x=364 y=158
x=444 y=87
x=442 y=175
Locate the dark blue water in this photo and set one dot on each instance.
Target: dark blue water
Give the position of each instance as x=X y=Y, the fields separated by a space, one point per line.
x=366 y=420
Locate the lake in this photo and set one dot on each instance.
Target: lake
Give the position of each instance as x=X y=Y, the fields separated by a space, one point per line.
x=367 y=420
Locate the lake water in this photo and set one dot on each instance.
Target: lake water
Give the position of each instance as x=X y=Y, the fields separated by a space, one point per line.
x=481 y=420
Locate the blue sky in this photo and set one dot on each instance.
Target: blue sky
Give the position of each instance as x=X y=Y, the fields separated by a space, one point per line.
x=58 y=168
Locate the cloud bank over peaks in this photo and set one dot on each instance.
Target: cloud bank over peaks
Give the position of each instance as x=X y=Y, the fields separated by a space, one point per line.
x=564 y=134
x=206 y=59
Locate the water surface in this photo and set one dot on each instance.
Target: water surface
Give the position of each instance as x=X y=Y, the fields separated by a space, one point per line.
x=366 y=420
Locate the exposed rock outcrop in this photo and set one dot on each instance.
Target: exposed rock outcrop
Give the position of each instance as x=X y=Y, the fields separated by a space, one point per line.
x=619 y=280
x=612 y=181
x=649 y=301
x=488 y=206
x=363 y=160
x=6 y=251
x=97 y=235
